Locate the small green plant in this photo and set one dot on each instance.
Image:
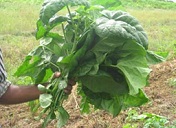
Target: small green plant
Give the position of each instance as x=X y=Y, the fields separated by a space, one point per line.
x=146 y=120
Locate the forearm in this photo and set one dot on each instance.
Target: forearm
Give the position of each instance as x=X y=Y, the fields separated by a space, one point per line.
x=19 y=94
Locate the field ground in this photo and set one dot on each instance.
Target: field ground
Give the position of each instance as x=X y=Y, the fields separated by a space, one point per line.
x=17 y=23
x=162 y=94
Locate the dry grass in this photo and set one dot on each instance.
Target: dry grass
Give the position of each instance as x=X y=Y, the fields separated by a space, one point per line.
x=18 y=23
x=14 y=49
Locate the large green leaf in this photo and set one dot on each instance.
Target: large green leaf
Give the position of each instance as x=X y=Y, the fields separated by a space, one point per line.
x=104 y=101
x=43 y=30
x=51 y=7
x=103 y=82
x=153 y=58
x=120 y=24
x=106 y=45
x=85 y=68
x=134 y=66
x=113 y=106
x=126 y=55
x=135 y=100
x=107 y=3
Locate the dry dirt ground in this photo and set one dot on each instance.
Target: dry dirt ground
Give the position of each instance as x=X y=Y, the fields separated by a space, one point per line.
x=161 y=91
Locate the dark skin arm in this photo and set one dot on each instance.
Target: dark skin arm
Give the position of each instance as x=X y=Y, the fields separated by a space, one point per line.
x=20 y=94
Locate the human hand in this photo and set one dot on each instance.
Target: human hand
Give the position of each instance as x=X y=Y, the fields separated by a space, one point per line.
x=70 y=84
x=69 y=87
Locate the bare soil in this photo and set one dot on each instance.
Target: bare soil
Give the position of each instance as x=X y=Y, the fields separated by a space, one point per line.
x=161 y=92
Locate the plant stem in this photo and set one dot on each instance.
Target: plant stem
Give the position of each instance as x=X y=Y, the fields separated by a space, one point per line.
x=66 y=41
x=54 y=65
x=75 y=28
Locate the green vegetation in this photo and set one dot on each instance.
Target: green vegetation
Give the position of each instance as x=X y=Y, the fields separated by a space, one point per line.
x=18 y=23
x=107 y=54
x=152 y=4
x=147 y=120
x=18 y=18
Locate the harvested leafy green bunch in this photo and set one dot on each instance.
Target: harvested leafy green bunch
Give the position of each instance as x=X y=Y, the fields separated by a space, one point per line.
x=104 y=51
